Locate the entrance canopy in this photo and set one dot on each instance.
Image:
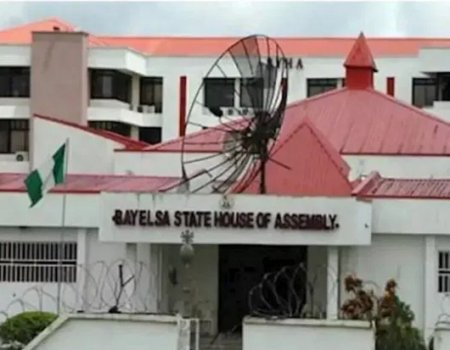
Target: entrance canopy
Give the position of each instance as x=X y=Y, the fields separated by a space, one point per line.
x=236 y=219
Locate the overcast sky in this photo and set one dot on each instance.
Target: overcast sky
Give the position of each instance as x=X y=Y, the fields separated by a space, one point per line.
x=426 y=18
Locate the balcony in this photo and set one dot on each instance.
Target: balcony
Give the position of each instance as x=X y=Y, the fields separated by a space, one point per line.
x=118 y=111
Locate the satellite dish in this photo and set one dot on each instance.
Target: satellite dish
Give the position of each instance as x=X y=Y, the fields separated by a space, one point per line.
x=241 y=101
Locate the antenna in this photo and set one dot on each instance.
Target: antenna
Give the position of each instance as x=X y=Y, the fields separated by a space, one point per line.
x=237 y=113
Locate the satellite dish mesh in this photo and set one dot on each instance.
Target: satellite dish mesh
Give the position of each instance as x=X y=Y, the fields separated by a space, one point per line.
x=241 y=101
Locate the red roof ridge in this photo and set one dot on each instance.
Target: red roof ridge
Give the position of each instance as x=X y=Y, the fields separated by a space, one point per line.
x=327 y=147
x=316 y=97
x=360 y=55
x=366 y=183
x=411 y=107
x=378 y=187
x=311 y=37
x=125 y=141
x=32 y=24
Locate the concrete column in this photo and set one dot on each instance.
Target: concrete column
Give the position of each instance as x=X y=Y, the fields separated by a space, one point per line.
x=134 y=132
x=82 y=261
x=332 y=283
x=430 y=286
x=135 y=93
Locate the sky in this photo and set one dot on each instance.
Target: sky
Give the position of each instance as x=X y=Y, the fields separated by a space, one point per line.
x=237 y=18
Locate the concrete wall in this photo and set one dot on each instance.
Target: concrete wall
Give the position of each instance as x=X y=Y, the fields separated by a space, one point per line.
x=442 y=337
x=113 y=332
x=59 y=76
x=401 y=257
x=88 y=152
x=293 y=334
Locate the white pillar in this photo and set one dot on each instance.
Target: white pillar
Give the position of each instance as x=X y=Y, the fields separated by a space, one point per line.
x=82 y=268
x=135 y=90
x=332 y=283
x=430 y=286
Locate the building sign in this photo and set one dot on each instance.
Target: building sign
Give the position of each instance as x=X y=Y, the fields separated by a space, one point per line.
x=291 y=63
x=225 y=219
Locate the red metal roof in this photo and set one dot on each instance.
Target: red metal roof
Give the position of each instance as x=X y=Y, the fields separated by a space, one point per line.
x=23 y=34
x=94 y=183
x=125 y=141
x=315 y=167
x=353 y=121
x=214 y=46
x=370 y=122
x=375 y=186
x=360 y=55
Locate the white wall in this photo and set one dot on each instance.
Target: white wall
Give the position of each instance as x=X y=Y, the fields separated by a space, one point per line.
x=354 y=218
x=169 y=164
x=293 y=334
x=415 y=167
x=391 y=256
x=205 y=282
x=97 y=277
x=88 y=153
x=442 y=337
x=114 y=332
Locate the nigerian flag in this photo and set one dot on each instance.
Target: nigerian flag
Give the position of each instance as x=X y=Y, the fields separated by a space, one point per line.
x=49 y=174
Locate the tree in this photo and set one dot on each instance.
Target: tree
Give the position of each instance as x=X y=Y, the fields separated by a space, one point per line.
x=391 y=317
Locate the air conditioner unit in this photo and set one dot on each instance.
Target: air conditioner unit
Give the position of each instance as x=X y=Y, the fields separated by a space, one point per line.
x=149 y=109
x=21 y=156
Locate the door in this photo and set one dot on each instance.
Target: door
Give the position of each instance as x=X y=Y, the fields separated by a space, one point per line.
x=243 y=267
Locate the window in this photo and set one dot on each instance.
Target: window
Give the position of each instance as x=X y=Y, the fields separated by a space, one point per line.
x=13 y=135
x=251 y=93
x=424 y=92
x=150 y=135
x=15 y=82
x=38 y=262
x=319 y=86
x=118 y=128
x=444 y=272
x=151 y=92
x=219 y=92
x=110 y=84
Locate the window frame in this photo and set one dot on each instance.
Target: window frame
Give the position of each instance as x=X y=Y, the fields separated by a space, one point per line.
x=433 y=82
x=11 y=126
x=228 y=83
x=321 y=83
x=255 y=83
x=152 y=83
x=38 y=262
x=443 y=279
x=121 y=85
x=13 y=76
x=111 y=126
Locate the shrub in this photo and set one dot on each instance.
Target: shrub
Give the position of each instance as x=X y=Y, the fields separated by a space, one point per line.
x=22 y=328
x=392 y=318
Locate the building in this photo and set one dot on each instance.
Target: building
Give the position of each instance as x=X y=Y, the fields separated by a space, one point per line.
x=368 y=166
x=133 y=85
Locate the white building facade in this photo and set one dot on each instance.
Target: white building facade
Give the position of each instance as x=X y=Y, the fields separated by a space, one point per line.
x=367 y=192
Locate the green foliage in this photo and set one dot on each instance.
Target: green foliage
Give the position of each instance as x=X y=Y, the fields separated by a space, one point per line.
x=392 y=318
x=22 y=328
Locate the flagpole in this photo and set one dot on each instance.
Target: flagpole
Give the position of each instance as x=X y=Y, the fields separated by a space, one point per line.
x=63 y=224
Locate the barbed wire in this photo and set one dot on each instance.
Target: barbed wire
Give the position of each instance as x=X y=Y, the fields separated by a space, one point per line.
x=118 y=286
x=294 y=292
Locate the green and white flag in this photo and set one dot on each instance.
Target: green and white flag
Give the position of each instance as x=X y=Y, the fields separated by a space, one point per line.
x=45 y=177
